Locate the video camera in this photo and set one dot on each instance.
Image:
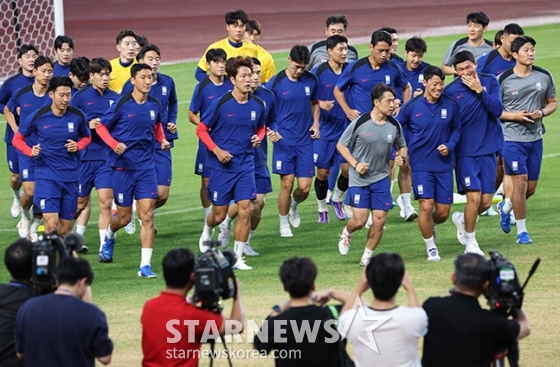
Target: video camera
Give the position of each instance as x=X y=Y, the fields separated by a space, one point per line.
x=213 y=277
x=46 y=253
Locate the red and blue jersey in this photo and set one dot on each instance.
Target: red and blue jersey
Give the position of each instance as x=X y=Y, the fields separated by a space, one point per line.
x=481 y=130
x=8 y=89
x=333 y=122
x=293 y=106
x=94 y=105
x=427 y=126
x=28 y=102
x=261 y=153
x=61 y=70
x=207 y=92
x=493 y=63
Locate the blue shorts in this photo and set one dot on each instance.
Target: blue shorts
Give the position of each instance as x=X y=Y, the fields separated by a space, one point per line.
x=26 y=168
x=325 y=154
x=131 y=184
x=289 y=160
x=476 y=174
x=226 y=186
x=56 y=197
x=12 y=157
x=376 y=196
x=94 y=174
x=433 y=185
x=262 y=180
x=163 y=167
x=200 y=163
x=523 y=158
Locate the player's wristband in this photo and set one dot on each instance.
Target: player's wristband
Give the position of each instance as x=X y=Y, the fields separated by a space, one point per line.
x=403 y=159
x=356 y=165
x=543 y=113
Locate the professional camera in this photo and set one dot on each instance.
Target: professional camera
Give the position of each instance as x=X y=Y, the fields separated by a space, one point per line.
x=46 y=253
x=213 y=277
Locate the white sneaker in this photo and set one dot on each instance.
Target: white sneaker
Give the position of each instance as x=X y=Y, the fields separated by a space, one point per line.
x=131 y=226
x=294 y=218
x=400 y=203
x=224 y=235
x=410 y=214
x=16 y=208
x=369 y=221
x=286 y=232
x=491 y=212
x=460 y=228
x=240 y=265
x=205 y=236
x=364 y=261
x=23 y=227
x=249 y=251
x=349 y=211
x=344 y=244
x=473 y=249
x=433 y=254
x=33 y=236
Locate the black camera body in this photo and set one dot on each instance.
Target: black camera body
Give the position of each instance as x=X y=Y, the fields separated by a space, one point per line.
x=504 y=292
x=213 y=277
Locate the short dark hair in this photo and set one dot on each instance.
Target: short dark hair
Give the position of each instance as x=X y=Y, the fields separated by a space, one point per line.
x=60 y=40
x=416 y=44
x=178 y=265
x=125 y=33
x=384 y=274
x=298 y=276
x=513 y=28
x=233 y=16
x=71 y=269
x=99 y=64
x=333 y=41
x=79 y=67
x=141 y=40
x=498 y=38
x=147 y=48
x=337 y=19
x=42 y=60
x=478 y=17
x=300 y=54
x=18 y=259
x=136 y=68
x=432 y=71
x=388 y=30
x=463 y=56
x=380 y=89
x=255 y=61
x=60 y=81
x=471 y=271
x=23 y=49
x=253 y=25
x=216 y=54
x=381 y=36
x=233 y=64
x=520 y=41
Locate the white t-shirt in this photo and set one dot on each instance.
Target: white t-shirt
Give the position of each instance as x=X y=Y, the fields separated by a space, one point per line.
x=396 y=338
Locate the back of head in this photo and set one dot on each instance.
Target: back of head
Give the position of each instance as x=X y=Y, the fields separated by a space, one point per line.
x=298 y=276
x=381 y=36
x=300 y=54
x=216 y=54
x=141 y=40
x=388 y=30
x=498 y=38
x=232 y=17
x=337 y=19
x=416 y=44
x=18 y=259
x=71 y=269
x=520 y=41
x=384 y=275
x=463 y=56
x=478 y=17
x=178 y=265
x=471 y=271
x=333 y=41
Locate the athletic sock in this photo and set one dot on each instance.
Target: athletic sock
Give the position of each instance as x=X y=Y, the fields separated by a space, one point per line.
x=227 y=221
x=507 y=206
x=238 y=248
x=461 y=217
x=284 y=221
x=520 y=226
x=346 y=232
x=206 y=211
x=337 y=195
x=367 y=253
x=81 y=229
x=101 y=238
x=251 y=233
x=110 y=234
x=293 y=204
x=470 y=237
x=146 y=256
x=34 y=225
x=17 y=194
x=406 y=199
x=322 y=204
x=430 y=243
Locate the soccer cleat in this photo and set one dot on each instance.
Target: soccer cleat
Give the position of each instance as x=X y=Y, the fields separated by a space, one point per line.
x=240 y=265
x=131 y=227
x=23 y=227
x=369 y=221
x=433 y=254
x=505 y=222
x=338 y=210
x=523 y=239
x=83 y=250
x=344 y=244
x=146 y=272
x=294 y=217
x=286 y=232
x=460 y=228
x=224 y=235
x=323 y=217
x=205 y=236
x=33 y=236
x=472 y=248
x=491 y=212
x=400 y=203
x=410 y=214
x=249 y=251
x=106 y=253
x=16 y=208
x=364 y=261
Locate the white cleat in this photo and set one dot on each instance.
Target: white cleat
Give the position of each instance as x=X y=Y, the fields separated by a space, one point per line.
x=433 y=255
x=364 y=261
x=294 y=218
x=23 y=227
x=249 y=251
x=224 y=235
x=240 y=265
x=131 y=226
x=400 y=203
x=344 y=244
x=460 y=228
x=286 y=232
x=491 y=212
x=15 y=210
x=203 y=238
x=410 y=214
x=473 y=248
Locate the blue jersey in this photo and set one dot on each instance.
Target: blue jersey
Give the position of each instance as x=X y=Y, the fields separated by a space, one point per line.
x=8 y=89
x=28 y=102
x=415 y=77
x=61 y=70
x=133 y=124
x=481 y=130
x=293 y=106
x=54 y=162
x=429 y=125
x=94 y=105
x=270 y=107
x=493 y=63
x=164 y=91
x=207 y=92
x=231 y=127
x=333 y=122
x=359 y=79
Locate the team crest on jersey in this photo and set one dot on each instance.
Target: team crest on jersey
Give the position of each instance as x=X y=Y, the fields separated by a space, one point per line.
x=164 y=90
x=253 y=115
x=444 y=113
x=539 y=86
x=307 y=91
x=420 y=78
x=70 y=127
x=111 y=101
x=152 y=114
x=387 y=79
x=389 y=138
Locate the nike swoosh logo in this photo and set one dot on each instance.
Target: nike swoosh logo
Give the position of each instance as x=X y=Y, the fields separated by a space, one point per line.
x=460 y=96
x=329 y=85
x=90 y=103
x=46 y=126
x=365 y=80
x=230 y=114
x=499 y=72
x=27 y=105
x=210 y=97
x=368 y=135
x=131 y=114
x=419 y=114
x=153 y=193
x=284 y=93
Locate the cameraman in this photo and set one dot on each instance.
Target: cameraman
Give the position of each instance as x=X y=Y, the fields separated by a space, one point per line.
x=60 y=329
x=12 y=295
x=166 y=339
x=460 y=332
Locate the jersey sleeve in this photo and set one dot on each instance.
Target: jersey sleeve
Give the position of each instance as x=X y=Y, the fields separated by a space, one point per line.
x=271 y=121
x=551 y=90
x=492 y=98
x=447 y=58
x=101 y=343
x=345 y=79
x=110 y=117
x=210 y=116
x=12 y=104
x=5 y=92
x=196 y=101
x=173 y=106
x=481 y=63
x=348 y=137
x=404 y=114
x=400 y=141
x=401 y=80
x=455 y=128
x=26 y=127
x=83 y=128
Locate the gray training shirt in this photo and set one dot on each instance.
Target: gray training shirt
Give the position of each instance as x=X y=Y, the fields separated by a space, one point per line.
x=464 y=45
x=320 y=55
x=529 y=93
x=371 y=143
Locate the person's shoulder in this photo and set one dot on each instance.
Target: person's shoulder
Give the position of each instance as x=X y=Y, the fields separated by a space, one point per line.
x=115 y=62
x=318 y=45
x=308 y=75
x=538 y=69
x=7 y=83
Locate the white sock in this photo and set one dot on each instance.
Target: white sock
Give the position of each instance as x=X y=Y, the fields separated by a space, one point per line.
x=322 y=204
x=429 y=243
x=146 y=256
x=367 y=253
x=337 y=195
x=227 y=221
x=17 y=195
x=346 y=232
x=101 y=238
x=110 y=234
x=35 y=225
x=238 y=247
x=207 y=229
x=470 y=237
x=406 y=199
x=293 y=204
x=520 y=225
x=284 y=221
x=507 y=206
x=206 y=211
x=26 y=214
x=251 y=233
x=80 y=229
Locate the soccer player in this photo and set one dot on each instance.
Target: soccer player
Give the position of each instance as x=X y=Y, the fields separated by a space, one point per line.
x=477 y=23
x=141 y=41
x=336 y=24
x=26 y=58
x=432 y=123
x=231 y=127
x=26 y=101
x=528 y=95
x=497 y=39
x=414 y=50
x=62 y=131
x=128 y=128
x=252 y=34
x=366 y=145
x=126 y=45
x=64 y=48
x=94 y=101
x=79 y=73
x=393 y=53
x=332 y=123
x=207 y=91
x=233 y=45
x=500 y=59
x=297 y=115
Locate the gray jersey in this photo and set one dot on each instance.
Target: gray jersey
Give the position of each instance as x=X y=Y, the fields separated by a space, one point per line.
x=464 y=45
x=529 y=93
x=319 y=54
x=371 y=143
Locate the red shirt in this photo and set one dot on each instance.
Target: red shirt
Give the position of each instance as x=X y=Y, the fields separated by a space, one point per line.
x=165 y=337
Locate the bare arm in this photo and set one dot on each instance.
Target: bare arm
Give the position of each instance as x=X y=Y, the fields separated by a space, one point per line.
x=350 y=113
x=524 y=326
x=237 y=313
x=10 y=119
x=411 y=294
x=359 y=289
x=407 y=92
x=105 y=360
x=448 y=70
x=194 y=118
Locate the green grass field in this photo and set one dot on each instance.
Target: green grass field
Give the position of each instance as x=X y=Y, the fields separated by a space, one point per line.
x=121 y=294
